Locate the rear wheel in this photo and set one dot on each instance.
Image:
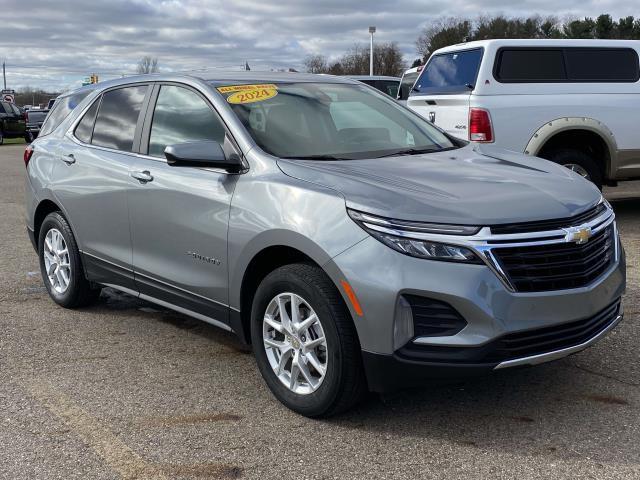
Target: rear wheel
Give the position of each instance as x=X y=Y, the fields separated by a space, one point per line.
x=579 y=162
x=29 y=137
x=61 y=264
x=1 y=137
x=305 y=342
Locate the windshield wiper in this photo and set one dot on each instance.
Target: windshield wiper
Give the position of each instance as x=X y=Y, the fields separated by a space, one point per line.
x=415 y=151
x=314 y=157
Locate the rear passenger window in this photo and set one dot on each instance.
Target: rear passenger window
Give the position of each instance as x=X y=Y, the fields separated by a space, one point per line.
x=559 y=65
x=181 y=116
x=117 y=118
x=607 y=65
x=84 y=130
x=63 y=107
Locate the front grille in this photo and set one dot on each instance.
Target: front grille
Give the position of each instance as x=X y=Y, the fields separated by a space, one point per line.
x=433 y=318
x=549 y=339
x=546 y=225
x=558 y=266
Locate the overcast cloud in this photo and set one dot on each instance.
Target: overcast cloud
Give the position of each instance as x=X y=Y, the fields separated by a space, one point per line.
x=54 y=45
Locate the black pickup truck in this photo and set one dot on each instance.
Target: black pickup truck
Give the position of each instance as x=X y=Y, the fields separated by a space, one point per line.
x=12 y=122
x=35 y=119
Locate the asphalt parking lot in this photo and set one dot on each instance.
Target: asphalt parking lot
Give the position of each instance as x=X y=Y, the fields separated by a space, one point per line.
x=128 y=390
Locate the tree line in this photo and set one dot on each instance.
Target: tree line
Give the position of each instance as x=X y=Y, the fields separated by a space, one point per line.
x=449 y=31
x=388 y=59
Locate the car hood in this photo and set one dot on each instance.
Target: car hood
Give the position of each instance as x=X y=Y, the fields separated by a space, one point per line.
x=473 y=185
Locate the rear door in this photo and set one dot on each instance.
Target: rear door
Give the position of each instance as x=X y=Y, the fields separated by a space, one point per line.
x=93 y=182
x=442 y=91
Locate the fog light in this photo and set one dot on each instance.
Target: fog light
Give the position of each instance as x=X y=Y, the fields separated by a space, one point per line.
x=402 y=323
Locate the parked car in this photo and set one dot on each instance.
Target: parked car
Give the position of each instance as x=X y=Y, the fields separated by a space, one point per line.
x=34 y=119
x=574 y=102
x=352 y=251
x=409 y=78
x=12 y=122
x=385 y=84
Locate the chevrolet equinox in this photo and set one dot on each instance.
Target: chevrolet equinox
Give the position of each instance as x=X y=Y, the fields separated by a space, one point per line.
x=353 y=244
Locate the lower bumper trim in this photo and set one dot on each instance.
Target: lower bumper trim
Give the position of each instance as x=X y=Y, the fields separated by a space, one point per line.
x=557 y=354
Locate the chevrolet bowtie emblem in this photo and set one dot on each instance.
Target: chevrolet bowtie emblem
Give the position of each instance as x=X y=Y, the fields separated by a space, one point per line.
x=578 y=235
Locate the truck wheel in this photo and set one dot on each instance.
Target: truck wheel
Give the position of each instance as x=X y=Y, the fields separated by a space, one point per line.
x=305 y=342
x=61 y=264
x=1 y=137
x=28 y=137
x=579 y=162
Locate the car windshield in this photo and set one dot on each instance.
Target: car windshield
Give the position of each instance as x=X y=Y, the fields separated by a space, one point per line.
x=330 y=121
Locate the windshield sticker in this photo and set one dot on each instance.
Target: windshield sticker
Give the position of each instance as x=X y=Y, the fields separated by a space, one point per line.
x=240 y=94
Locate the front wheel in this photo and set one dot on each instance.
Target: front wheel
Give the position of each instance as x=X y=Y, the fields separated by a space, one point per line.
x=61 y=265
x=305 y=342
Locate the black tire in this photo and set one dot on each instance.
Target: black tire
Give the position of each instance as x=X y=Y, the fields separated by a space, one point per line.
x=29 y=137
x=344 y=382
x=567 y=156
x=80 y=291
x=1 y=137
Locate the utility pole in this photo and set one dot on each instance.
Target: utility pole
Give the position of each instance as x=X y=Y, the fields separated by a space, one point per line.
x=372 y=30
x=4 y=76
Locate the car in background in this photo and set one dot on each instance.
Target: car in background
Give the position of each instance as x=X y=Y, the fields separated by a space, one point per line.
x=34 y=118
x=12 y=121
x=574 y=102
x=385 y=84
x=409 y=78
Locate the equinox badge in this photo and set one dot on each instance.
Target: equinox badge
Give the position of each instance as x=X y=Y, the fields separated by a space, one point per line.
x=578 y=235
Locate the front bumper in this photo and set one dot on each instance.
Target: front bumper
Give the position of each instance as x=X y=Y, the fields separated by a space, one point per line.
x=492 y=312
x=410 y=367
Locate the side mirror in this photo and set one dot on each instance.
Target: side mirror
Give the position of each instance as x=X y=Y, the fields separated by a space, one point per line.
x=203 y=154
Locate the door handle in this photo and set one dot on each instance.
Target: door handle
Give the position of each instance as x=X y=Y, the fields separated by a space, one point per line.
x=143 y=177
x=69 y=159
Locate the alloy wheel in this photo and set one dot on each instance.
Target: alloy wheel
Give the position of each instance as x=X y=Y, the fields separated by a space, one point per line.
x=295 y=343
x=56 y=261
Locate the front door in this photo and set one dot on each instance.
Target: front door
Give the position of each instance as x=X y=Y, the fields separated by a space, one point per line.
x=179 y=215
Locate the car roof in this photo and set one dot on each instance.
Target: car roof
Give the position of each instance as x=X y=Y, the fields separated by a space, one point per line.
x=219 y=78
x=539 y=42
x=372 y=77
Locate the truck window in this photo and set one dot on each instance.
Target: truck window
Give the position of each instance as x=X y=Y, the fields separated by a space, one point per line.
x=570 y=64
x=602 y=64
x=452 y=72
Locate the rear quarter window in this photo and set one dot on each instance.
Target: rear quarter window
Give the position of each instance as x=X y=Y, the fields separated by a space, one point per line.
x=452 y=72
x=61 y=109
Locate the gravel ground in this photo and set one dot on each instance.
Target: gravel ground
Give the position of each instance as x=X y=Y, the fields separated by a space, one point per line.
x=128 y=390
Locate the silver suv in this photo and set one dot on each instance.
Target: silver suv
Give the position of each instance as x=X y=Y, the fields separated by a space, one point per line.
x=352 y=243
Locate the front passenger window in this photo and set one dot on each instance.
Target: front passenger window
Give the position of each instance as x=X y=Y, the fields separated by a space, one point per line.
x=182 y=116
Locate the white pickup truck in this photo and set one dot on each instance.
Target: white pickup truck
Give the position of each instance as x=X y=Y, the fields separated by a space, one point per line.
x=575 y=102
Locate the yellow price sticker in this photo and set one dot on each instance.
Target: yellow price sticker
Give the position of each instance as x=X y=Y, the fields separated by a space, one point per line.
x=249 y=93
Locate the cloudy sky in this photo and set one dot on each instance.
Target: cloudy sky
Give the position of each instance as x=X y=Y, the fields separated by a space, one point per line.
x=54 y=45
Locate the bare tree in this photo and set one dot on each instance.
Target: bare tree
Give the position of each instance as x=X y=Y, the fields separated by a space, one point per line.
x=147 y=65
x=316 y=64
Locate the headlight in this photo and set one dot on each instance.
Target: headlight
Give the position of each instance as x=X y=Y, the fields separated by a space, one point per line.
x=404 y=237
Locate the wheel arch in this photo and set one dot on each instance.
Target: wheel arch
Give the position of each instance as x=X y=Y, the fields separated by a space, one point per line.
x=44 y=208
x=259 y=263
x=582 y=132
